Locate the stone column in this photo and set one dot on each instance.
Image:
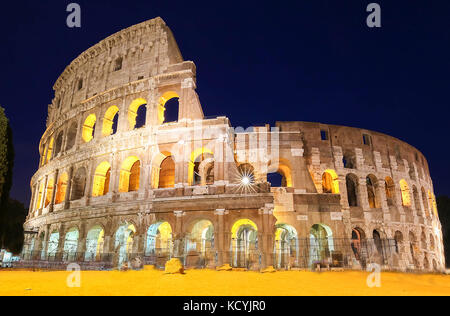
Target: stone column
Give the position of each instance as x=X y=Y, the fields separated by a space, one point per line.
x=68 y=189
x=60 y=250
x=219 y=237
x=44 y=195
x=266 y=235
x=55 y=187
x=178 y=234
x=81 y=247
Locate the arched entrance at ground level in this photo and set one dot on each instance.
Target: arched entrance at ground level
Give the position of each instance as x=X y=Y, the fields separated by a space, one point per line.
x=244 y=243
x=71 y=244
x=94 y=244
x=378 y=243
x=159 y=239
x=123 y=244
x=321 y=244
x=286 y=246
x=201 y=237
x=53 y=242
x=358 y=237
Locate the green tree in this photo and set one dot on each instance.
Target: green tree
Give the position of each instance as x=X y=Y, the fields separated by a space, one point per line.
x=6 y=168
x=443 y=203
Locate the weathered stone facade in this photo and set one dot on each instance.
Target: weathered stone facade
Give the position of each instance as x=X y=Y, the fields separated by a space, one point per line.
x=198 y=189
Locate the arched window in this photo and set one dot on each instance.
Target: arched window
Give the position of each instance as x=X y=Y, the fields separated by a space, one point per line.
x=159 y=239
x=58 y=143
x=425 y=203
x=244 y=243
x=351 y=182
x=49 y=150
x=49 y=193
x=101 y=179
x=378 y=243
x=124 y=242
x=389 y=188
x=330 y=183
x=137 y=113
x=129 y=174
x=406 y=197
x=61 y=188
x=40 y=195
x=197 y=157
x=71 y=244
x=80 y=84
x=110 y=121
x=118 y=64
x=417 y=200
x=88 y=128
x=357 y=238
x=71 y=136
x=349 y=160
x=168 y=107
x=94 y=243
x=321 y=243
x=398 y=238
x=78 y=184
x=372 y=191
x=167 y=173
x=280 y=174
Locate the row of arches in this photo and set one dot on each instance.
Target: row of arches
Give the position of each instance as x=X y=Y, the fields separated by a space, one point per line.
x=167 y=111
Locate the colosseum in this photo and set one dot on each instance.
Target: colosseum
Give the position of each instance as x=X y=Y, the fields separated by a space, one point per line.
x=131 y=171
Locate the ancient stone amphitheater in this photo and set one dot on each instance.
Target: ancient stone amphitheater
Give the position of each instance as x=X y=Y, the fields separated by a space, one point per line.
x=132 y=172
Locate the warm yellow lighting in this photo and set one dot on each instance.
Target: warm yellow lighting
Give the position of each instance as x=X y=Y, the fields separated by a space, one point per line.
x=246 y=180
x=133 y=109
x=49 y=150
x=162 y=104
x=61 y=188
x=101 y=179
x=196 y=156
x=108 y=120
x=129 y=174
x=242 y=222
x=88 y=128
x=330 y=182
x=406 y=197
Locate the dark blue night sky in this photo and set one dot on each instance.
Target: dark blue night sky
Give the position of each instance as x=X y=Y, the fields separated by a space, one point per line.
x=257 y=62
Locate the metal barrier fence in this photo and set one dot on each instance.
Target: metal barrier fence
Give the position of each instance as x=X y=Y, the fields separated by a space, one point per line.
x=288 y=254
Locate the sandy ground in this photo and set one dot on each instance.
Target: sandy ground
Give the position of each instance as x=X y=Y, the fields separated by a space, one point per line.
x=217 y=283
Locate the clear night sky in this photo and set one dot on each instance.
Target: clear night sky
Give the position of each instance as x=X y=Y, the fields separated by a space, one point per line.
x=257 y=62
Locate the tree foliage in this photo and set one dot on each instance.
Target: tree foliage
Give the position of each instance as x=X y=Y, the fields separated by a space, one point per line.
x=6 y=168
x=443 y=203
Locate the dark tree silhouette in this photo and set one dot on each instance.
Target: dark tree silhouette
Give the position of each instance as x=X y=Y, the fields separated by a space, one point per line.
x=443 y=203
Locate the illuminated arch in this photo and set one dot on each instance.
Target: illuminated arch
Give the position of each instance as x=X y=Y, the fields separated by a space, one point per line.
x=201 y=236
x=111 y=116
x=159 y=239
x=71 y=135
x=406 y=196
x=40 y=195
x=94 y=243
x=242 y=223
x=88 y=128
x=129 y=174
x=244 y=243
x=78 y=184
x=389 y=188
x=133 y=111
x=61 y=188
x=124 y=240
x=197 y=156
x=284 y=169
x=321 y=243
x=351 y=182
x=286 y=246
x=358 y=236
x=162 y=105
x=102 y=176
x=71 y=243
x=372 y=191
x=163 y=171
x=49 y=150
x=49 y=192
x=330 y=182
x=53 y=242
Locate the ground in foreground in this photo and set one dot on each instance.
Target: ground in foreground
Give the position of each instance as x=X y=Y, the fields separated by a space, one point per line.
x=218 y=283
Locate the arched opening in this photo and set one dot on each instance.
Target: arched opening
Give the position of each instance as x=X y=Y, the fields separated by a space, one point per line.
x=280 y=175
x=197 y=157
x=137 y=113
x=88 y=128
x=58 y=143
x=378 y=244
x=102 y=176
x=413 y=248
x=358 y=237
x=53 y=245
x=159 y=239
x=425 y=203
x=61 y=188
x=123 y=244
x=330 y=182
x=349 y=160
x=406 y=197
x=49 y=192
x=130 y=174
x=321 y=244
x=372 y=191
x=71 y=136
x=398 y=238
x=168 y=107
x=389 y=188
x=244 y=243
x=94 y=244
x=110 y=121
x=49 y=150
x=78 y=184
x=71 y=244
x=351 y=182
x=201 y=239
x=40 y=195
x=417 y=201
x=286 y=247
x=166 y=176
